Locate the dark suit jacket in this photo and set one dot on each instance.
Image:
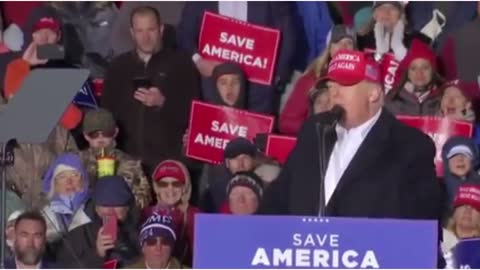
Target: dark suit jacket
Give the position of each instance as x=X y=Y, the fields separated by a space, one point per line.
x=269 y=14
x=391 y=175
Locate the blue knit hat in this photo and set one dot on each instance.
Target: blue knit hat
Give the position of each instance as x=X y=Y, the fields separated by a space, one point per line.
x=158 y=225
x=112 y=191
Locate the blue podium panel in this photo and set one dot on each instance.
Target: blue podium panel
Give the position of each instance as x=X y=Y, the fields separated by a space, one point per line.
x=227 y=241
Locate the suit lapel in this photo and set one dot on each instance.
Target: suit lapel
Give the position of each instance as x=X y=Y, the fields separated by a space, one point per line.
x=365 y=157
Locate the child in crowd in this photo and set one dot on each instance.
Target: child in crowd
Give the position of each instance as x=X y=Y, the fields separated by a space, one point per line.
x=460 y=156
x=244 y=193
x=456 y=103
x=229 y=82
x=173 y=188
x=100 y=131
x=66 y=186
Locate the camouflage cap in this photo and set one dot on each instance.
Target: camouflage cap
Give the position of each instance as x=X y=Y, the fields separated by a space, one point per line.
x=98 y=120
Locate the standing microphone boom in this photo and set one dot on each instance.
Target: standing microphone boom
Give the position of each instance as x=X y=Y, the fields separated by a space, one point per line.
x=323 y=131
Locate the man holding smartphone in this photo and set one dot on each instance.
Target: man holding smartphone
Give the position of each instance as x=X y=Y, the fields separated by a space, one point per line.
x=111 y=236
x=149 y=91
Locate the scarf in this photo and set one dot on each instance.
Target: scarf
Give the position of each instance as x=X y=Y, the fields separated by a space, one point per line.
x=65 y=207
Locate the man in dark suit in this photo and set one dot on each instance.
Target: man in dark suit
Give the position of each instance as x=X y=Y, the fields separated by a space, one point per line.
x=375 y=166
x=261 y=98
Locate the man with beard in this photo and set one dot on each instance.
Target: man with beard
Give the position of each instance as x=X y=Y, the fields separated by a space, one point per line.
x=30 y=243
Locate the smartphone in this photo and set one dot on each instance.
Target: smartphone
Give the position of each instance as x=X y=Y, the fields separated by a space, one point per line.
x=141 y=82
x=110 y=226
x=51 y=52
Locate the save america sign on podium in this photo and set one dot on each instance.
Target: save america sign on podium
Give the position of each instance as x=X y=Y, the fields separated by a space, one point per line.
x=256 y=242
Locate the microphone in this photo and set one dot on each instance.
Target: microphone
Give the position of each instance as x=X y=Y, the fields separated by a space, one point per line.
x=338 y=113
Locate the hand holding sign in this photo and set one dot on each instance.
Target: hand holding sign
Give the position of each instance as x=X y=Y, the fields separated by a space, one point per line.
x=151 y=97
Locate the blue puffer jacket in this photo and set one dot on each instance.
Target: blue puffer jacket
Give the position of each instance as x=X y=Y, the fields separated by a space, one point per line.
x=452 y=182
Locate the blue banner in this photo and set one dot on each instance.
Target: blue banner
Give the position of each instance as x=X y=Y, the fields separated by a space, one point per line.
x=228 y=241
x=85 y=97
x=466 y=254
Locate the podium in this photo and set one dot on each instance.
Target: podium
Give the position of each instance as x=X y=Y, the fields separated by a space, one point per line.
x=30 y=116
x=260 y=242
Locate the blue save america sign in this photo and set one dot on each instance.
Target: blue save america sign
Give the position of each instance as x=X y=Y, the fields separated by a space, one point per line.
x=227 y=241
x=466 y=254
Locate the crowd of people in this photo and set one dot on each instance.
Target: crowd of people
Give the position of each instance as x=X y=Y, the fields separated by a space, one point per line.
x=112 y=187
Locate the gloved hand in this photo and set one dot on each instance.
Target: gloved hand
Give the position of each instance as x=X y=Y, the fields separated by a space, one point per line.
x=381 y=39
x=398 y=48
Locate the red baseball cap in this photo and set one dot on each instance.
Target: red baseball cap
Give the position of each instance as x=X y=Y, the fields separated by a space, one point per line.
x=351 y=67
x=468 y=195
x=47 y=23
x=169 y=168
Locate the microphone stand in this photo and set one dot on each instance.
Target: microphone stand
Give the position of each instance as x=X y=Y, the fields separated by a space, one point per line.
x=324 y=131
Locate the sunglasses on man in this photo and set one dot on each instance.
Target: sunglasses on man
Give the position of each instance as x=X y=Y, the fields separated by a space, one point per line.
x=104 y=133
x=152 y=241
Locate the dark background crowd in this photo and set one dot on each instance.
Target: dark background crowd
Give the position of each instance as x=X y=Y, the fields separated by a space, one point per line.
x=112 y=187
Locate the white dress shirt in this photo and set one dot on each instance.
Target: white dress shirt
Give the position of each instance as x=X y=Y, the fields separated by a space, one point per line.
x=347 y=144
x=233 y=9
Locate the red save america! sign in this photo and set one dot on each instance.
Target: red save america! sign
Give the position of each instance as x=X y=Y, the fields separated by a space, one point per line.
x=254 y=47
x=212 y=127
x=440 y=130
x=279 y=147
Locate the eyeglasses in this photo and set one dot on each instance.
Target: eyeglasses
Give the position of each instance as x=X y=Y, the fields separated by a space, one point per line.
x=152 y=241
x=164 y=184
x=105 y=134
